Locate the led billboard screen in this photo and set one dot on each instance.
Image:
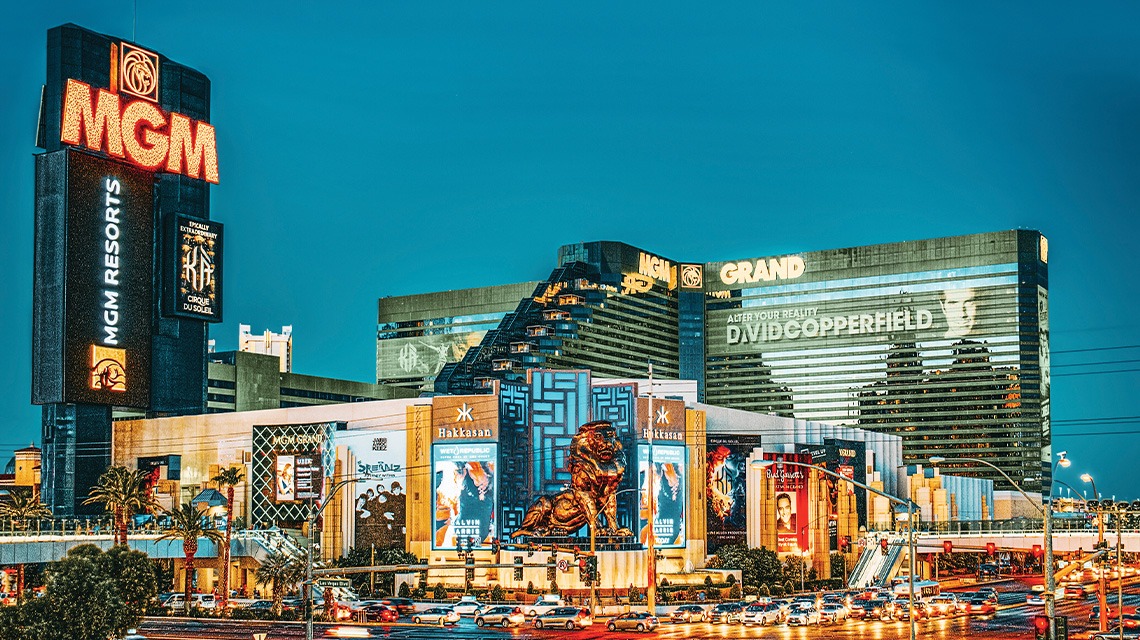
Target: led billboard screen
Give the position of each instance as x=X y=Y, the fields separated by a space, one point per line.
x=109 y=239
x=422 y=356
x=848 y=458
x=669 y=488
x=790 y=516
x=465 y=485
x=196 y=269
x=725 y=488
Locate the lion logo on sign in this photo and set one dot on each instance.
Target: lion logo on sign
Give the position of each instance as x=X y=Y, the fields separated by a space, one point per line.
x=597 y=466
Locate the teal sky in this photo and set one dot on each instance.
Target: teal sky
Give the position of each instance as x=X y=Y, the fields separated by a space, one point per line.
x=378 y=148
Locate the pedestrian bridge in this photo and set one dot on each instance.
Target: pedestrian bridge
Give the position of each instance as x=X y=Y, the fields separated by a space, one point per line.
x=30 y=548
x=1067 y=541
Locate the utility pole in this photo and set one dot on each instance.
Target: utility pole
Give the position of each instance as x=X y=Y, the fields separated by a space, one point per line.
x=651 y=588
x=372 y=574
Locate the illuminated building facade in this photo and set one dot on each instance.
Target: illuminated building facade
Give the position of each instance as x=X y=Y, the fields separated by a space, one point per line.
x=943 y=342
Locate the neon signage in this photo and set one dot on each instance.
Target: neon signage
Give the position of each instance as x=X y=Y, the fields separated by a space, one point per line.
x=138 y=131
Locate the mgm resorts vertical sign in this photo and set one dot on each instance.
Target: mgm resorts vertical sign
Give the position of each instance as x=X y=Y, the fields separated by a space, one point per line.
x=110 y=136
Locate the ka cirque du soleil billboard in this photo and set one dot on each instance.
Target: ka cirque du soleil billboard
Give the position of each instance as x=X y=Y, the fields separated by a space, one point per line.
x=465 y=484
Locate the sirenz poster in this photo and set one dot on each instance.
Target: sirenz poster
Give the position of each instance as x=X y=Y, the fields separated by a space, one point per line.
x=465 y=486
x=380 y=501
x=790 y=517
x=667 y=482
x=725 y=488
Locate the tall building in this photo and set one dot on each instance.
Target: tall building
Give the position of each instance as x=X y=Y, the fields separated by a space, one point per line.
x=269 y=343
x=417 y=335
x=943 y=342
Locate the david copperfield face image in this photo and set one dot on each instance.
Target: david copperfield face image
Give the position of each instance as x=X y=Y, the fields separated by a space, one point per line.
x=961 y=310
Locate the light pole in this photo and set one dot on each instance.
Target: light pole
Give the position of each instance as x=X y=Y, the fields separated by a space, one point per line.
x=1047 y=517
x=1101 y=595
x=313 y=514
x=764 y=464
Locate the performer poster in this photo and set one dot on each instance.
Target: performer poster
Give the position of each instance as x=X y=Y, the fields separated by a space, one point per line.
x=791 y=499
x=465 y=486
x=669 y=491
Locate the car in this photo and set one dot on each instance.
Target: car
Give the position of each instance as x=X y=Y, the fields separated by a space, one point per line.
x=403 y=606
x=689 y=613
x=1075 y=591
x=1129 y=634
x=547 y=602
x=988 y=570
x=1129 y=620
x=436 y=615
x=832 y=613
x=762 y=614
x=133 y=634
x=727 y=612
x=569 y=617
x=921 y=611
x=197 y=601
x=467 y=606
x=260 y=605
x=980 y=606
x=989 y=592
x=634 y=620
x=802 y=616
x=502 y=615
x=866 y=610
x=1035 y=599
x=944 y=605
x=380 y=613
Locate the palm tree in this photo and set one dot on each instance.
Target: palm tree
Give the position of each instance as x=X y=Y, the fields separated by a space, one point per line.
x=23 y=505
x=186 y=525
x=280 y=569
x=228 y=478
x=123 y=492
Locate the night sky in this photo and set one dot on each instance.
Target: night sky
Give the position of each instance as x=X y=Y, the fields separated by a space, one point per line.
x=374 y=148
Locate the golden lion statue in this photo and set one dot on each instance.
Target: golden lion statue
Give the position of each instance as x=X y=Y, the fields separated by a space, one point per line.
x=597 y=466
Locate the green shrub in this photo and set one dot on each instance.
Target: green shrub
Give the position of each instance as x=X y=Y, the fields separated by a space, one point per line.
x=497 y=594
x=440 y=592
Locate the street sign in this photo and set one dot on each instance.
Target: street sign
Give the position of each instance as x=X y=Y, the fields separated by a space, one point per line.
x=334 y=583
x=564 y=565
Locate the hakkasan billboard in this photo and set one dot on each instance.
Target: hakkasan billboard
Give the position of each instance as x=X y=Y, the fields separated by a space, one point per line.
x=664 y=489
x=790 y=516
x=465 y=484
x=725 y=488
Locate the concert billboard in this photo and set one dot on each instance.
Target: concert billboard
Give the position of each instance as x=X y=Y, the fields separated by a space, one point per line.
x=725 y=492
x=196 y=269
x=381 y=501
x=95 y=263
x=670 y=470
x=465 y=482
x=790 y=513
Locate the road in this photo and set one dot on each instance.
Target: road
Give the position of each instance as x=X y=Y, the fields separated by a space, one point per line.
x=1012 y=620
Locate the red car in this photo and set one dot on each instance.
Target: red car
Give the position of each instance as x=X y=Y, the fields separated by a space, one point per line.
x=1075 y=591
x=380 y=613
x=980 y=606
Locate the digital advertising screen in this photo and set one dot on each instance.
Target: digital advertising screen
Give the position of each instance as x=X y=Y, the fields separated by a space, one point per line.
x=790 y=514
x=465 y=485
x=196 y=271
x=108 y=295
x=422 y=356
x=667 y=486
x=288 y=470
x=725 y=488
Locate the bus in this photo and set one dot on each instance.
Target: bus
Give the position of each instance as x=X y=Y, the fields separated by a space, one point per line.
x=922 y=588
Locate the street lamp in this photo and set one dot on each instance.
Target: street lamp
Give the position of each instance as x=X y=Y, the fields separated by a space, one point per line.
x=764 y=464
x=1101 y=595
x=1047 y=517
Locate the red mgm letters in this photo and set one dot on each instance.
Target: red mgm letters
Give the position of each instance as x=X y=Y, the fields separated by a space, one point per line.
x=138 y=131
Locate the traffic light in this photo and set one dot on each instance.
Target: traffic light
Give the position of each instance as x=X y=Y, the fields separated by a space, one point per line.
x=583 y=569
x=518 y=570
x=844 y=542
x=1038 y=551
x=991 y=548
x=495 y=546
x=592 y=566
x=530 y=550
x=883 y=546
x=947 y=546
x=1041 y=627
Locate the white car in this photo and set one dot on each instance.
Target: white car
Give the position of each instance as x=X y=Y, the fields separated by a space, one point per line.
x=802 y=615
x=437 y=615
x=946 y=604
x=1034 y=599
x=544 y=604
x=833 y=613
x=762 y=614
x=467 y=607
